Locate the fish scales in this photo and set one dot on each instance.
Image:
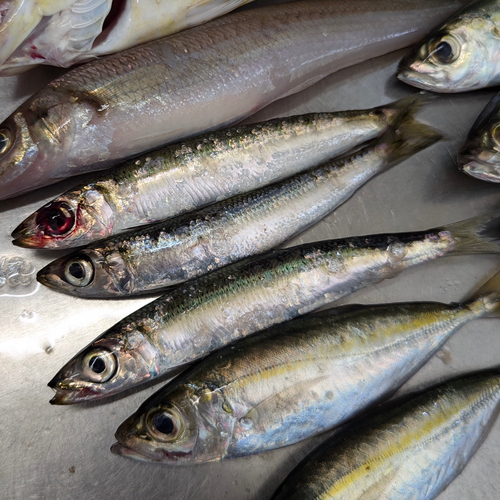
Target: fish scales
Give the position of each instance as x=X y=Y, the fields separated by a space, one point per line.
x=411 y=451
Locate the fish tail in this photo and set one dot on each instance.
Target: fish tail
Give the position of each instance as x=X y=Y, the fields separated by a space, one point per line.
x=476 y=235
x=487 y=297
x=397 y=111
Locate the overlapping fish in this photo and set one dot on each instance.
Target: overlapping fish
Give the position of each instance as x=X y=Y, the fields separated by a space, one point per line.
x=62 y=33
x=462 y=55
x=480 y=154
x=209 y=312
x=189 y=246
x=195 y=81
x=412 y=451
x=197 y=172
x=292 y=381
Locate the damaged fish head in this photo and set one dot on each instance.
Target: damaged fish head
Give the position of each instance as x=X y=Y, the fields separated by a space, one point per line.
x=39 y=137
x=461 y=56
x=109 y=365
x=480 y=154
x=177 y=426
x=70 y=220
x=87 y=273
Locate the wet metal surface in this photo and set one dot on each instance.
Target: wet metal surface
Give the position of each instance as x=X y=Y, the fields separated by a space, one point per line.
x=50 y=452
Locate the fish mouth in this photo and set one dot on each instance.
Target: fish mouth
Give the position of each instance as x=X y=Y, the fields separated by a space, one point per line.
x=27 y=235
x=71 y=396
x=479 y=169
x=161 y=456
x=125 y=451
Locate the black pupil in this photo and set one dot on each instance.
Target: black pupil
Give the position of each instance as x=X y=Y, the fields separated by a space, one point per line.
x=444 y=51
x=56 y=220
x=76 y=270
x=163 y=423
x=97 y=364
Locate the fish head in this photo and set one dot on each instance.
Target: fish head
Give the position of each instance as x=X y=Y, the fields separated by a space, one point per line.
x=460 y=56
x=39 y=141
x=73 y=219
x=91 y=273
x=177 y=427
x=113 y=363
x=480 y=153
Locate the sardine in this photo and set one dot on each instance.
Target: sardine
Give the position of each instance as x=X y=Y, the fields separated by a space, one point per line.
x=206 y=313
x=412 y=451
x=65 y=33
x=195 y=81
x=199 y=242
x=187 y=176
x=480 y=154
x=462 y=55
x=292 y=382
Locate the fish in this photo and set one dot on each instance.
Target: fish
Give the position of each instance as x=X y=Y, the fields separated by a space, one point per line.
x=70 y=32
x=209 y=312
x=186 y=247
x=186 y=176
x=293 y=381
x=461 y=55
x=412 y=449
x=195 y=81
x=480 y=154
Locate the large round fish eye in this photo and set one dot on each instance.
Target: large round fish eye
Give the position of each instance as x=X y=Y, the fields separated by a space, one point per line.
x=79 y=271
x=99 y=365
x=5 y=140
x=495 y=134
x=165 y=424
x=445 y=50
x=56 y=219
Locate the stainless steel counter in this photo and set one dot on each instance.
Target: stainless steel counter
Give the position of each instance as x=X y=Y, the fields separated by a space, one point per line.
x=49 y=452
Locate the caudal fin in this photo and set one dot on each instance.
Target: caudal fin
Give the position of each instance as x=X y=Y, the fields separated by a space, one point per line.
x=397 y=111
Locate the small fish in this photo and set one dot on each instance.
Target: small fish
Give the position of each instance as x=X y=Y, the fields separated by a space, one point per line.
x=293 y=381
x=65 y=33
x=480 y=154
x=207 y=313
x=199 y=242
x=411 y=451
x=195 y=81
x=200 y=171
x=462 y=55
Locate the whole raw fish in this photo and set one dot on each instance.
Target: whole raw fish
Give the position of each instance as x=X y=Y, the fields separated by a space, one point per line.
x=480 y=154
x=197 y=172
x=411 y=452
x=209 y=312
x=64 y=33
x=195 y=81
x=291 y=382
x=189 y=246
x=462 y=55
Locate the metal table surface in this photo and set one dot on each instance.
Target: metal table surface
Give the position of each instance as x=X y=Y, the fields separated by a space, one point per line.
x=62 y=452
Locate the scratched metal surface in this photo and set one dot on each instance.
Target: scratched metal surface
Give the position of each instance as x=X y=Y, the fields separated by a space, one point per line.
x=51 y=452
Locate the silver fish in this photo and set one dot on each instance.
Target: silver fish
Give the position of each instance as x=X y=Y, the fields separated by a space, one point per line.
x=413 y=451
x=291 y=382
x=462 y=55
x=189 y=246
x=206 y=313
x=480 y=154
x=197 y=172
x=59 y=33
x=195 y=81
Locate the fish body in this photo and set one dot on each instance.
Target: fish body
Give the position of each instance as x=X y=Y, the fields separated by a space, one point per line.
x=412 y=451
x=480 y=153
x=189 y=246
x=81 y=30
x=206 y=313
x=198 y=80
x=462 y=55
x=187 y=176
x=291 y=382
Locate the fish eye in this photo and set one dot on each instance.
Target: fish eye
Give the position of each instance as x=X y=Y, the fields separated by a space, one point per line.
x=5 y=140
x=165 y=424
x=99 y=365
x=79 y=271
x=56 y=219
x=495 y=134
x=445 y=50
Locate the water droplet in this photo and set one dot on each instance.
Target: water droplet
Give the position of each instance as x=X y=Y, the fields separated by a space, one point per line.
x=246 y=423
x=48 y=349
x=444 y=354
